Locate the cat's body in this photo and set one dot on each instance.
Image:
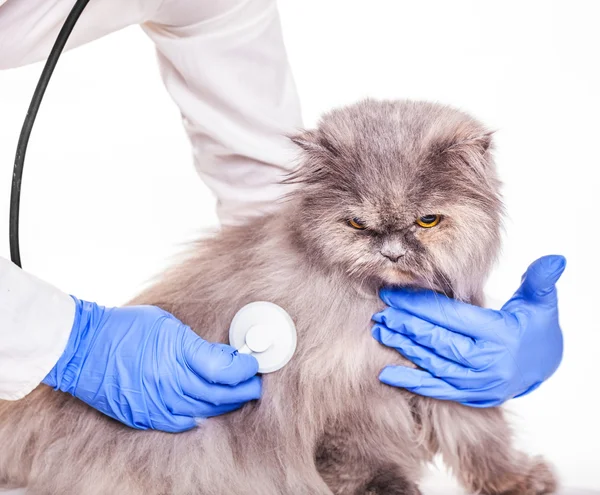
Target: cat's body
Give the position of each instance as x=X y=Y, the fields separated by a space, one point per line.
x=325 y=423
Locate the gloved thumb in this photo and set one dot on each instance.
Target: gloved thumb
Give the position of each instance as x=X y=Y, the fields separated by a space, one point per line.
x=537 y=283
x=217 y=363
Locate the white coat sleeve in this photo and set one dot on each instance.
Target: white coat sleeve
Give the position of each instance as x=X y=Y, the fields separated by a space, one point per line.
x=35 y=323
x=224 y=64
x=226 y=67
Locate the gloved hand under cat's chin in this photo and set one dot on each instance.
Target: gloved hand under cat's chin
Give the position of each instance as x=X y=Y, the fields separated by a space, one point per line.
x=476 y=356
x=145 y=368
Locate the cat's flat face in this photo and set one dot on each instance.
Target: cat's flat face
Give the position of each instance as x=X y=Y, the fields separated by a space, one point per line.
x=400 y=193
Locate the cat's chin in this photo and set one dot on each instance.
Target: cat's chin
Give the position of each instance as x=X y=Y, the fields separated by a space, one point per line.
x=401 y=278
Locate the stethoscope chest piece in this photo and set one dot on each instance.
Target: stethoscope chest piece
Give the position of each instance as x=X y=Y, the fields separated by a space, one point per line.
x=265 y=331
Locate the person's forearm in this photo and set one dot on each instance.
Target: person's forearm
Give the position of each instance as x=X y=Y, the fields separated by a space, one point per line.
x=35 y=323
x=226 y=68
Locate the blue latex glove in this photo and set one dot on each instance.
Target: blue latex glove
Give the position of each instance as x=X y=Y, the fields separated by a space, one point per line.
x=142 y=366
x=478 y=357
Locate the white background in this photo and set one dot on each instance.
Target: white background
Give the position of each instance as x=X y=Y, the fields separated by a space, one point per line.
x=110 y=193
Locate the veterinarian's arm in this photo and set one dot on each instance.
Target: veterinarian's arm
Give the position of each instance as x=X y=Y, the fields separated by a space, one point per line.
x=139 y=364
x=226 y=67
x=224 y=64
x=476 y=356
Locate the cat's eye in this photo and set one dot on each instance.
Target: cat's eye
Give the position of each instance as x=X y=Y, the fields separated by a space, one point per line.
x=356 y=223
x=428 y=221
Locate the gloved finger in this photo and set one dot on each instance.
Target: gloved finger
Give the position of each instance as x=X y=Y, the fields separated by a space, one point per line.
x=537 y=283
x=217 y=363
x=533 y=387
x=218 y=410
x=173 y=423
x=441 y=341
x=186 y=406
x=459 y=317
x=482 y=403
x=422 y=383
x=199 y=389
x=421 y=356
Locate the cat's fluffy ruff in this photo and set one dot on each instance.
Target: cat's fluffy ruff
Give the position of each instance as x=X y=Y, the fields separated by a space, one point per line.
x=325 y=423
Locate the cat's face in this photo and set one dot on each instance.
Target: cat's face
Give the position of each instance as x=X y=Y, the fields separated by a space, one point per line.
x=400 y=193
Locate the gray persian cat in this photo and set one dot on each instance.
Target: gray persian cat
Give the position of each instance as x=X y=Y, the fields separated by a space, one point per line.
x=388 y=193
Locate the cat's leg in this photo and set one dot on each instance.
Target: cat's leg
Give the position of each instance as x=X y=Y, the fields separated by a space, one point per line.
x=361 y=458
x=389 y=480
x=346 y=474
x=477 y=445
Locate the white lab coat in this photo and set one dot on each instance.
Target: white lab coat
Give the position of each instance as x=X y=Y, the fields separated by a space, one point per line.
x=225 y=66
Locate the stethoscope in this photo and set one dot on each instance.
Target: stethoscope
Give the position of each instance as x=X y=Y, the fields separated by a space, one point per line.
x=259 y=328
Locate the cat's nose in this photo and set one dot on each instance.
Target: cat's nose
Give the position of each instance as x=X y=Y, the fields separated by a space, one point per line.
x=393 y=254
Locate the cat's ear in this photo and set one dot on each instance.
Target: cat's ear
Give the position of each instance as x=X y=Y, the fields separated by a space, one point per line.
x=472 y=143
x=472 y=150
x=318 y=157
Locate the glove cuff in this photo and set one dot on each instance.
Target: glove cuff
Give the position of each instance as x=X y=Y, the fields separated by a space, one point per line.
x=65 y=374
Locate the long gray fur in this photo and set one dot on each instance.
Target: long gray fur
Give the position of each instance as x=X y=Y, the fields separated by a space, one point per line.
x=325 y=423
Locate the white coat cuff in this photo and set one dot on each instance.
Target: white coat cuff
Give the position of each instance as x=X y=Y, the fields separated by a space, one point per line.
x=36 y=320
